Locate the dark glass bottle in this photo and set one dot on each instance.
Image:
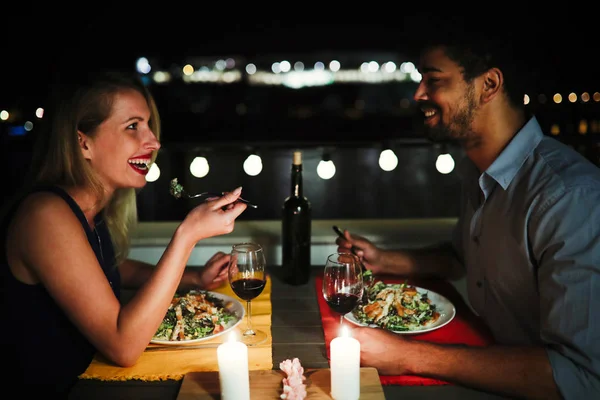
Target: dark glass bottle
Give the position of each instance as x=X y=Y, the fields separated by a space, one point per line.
x=296 y=230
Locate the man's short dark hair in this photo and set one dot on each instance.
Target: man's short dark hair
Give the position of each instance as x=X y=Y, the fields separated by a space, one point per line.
x=477 y=49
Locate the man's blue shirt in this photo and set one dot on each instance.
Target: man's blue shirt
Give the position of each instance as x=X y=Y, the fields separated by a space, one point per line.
x=529 y=237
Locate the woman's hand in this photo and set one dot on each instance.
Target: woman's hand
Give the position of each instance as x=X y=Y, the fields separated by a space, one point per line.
x=214 y=273
x=214 y=217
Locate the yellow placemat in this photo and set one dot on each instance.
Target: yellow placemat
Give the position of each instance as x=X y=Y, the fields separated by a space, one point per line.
x=163 y=365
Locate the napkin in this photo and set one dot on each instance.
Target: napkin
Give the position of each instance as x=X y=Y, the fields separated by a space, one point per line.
x=466 y=327
x=163 y=365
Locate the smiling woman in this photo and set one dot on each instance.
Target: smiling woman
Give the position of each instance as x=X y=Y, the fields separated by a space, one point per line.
x=128 y=133
x=64 y=255
x=114 y=117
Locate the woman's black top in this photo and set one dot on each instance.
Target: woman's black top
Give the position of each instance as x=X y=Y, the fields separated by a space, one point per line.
x=42 y=349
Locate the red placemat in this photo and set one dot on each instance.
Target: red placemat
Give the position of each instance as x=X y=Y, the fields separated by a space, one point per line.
x=466 y=327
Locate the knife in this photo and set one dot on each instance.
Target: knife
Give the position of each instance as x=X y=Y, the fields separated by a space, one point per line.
x=183 y=347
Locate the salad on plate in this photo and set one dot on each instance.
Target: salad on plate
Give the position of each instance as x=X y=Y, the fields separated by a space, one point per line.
x=398 y=307
x=196 y=315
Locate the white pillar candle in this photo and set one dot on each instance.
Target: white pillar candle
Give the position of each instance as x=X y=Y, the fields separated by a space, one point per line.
x=344 y=351
x=234 y=379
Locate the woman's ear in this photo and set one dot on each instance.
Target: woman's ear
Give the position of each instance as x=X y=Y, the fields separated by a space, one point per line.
x=84 y=145
x=492 y=84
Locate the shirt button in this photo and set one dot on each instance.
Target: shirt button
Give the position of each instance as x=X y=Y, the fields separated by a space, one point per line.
x=479 y=284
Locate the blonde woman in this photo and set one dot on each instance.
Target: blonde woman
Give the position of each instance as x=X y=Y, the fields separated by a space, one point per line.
x=65 y=239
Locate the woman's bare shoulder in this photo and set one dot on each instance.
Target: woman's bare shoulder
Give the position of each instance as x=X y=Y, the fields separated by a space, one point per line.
x=44 y=226
x=44 y=210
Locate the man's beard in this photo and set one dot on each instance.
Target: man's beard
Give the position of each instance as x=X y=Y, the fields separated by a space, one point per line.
x=439 y=133
x=459 y=127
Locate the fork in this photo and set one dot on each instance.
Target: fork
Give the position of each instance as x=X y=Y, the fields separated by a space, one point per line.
x=178 y=191
x=215 y=194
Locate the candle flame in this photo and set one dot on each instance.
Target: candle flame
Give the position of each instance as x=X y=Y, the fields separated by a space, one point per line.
x=232 y=337
x=345 y=332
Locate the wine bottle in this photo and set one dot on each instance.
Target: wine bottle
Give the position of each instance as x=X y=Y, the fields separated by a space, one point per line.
x=296 y=229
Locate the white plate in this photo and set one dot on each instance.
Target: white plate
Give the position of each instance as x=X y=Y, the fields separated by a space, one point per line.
x=443 y=306
x=230 y=304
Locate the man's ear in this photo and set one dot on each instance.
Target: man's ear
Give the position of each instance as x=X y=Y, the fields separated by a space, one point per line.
x=492 y=84
x=84 y=145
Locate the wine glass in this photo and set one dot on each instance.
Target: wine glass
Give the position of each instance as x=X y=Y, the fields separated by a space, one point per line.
x=342 y=283
x=247 y=278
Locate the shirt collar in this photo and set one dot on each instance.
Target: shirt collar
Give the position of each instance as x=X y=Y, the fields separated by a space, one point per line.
x=510 y=160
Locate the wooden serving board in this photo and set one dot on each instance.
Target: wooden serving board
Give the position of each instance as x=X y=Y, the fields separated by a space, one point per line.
x=268 y=385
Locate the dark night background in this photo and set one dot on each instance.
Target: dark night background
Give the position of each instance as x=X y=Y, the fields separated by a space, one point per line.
x=559 y=48
x=560 y=45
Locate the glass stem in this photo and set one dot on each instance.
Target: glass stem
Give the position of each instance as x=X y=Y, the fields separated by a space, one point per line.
x=341 y=320
x=249 y=330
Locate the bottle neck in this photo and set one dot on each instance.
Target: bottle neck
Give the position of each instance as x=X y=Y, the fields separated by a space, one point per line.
x=297 y=180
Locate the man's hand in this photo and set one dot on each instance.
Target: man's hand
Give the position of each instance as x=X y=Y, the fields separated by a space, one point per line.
x=381 y=349
x=364 y=249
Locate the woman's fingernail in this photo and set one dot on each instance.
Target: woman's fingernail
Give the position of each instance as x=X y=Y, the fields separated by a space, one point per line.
x=237 y=190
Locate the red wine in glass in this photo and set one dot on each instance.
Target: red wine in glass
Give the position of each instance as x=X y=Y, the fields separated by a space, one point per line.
x=342 y=282
x=248 y=288
x=247 y=278
x=342 y=303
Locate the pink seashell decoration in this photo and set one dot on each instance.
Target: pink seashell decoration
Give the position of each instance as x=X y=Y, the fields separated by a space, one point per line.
x=293 y=386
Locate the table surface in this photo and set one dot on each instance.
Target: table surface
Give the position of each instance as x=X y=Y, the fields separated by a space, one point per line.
x=297 y=332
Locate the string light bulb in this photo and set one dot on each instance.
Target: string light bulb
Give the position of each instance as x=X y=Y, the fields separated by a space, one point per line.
x=154 y=173
x=326 y=168
x=388 y=161
x=253 y=165
x=199 y=167
x=444 y=163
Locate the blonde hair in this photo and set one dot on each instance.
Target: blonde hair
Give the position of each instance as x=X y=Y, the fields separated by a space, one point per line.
x=84 y=106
